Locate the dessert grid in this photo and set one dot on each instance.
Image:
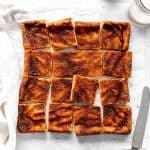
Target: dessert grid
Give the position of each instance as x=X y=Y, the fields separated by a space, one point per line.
x=103 y=141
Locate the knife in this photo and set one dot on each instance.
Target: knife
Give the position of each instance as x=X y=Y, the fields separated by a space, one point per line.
x=141 y=120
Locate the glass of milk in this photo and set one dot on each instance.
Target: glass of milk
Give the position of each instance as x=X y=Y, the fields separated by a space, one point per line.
x=139 y=12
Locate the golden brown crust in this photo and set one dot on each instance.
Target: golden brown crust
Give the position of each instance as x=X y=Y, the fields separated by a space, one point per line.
x=31 y=118
x=34 y=89
x=114 y=91
x=61 y=90
x=117 y=119
x=87 y=120
x=87 y=34
x=115 y=35
x=60 y=118
x=62 y=34
x=35 y=34
x=117 y=64
x=86 y=63
x=83 y=90
x=38 y=63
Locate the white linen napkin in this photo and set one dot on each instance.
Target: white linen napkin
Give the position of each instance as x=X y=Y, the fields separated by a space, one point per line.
x=9 y=70
x=3 y=126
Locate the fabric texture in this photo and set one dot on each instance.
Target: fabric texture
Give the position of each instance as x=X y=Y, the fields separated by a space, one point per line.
x=9 y=79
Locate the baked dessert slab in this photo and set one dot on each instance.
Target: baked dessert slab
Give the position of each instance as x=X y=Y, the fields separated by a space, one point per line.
x=34 y=89
x=62 y=34
x=87 y=121
x=35 y=34
x=83 y=90
x=31 y=118
x=114 y=91
x=117 y=119
x=117 y=64
x=38 y=63
x=86 y=63
x=87 y=34
x=60 y=118
x=61 y=90
x=115 y=35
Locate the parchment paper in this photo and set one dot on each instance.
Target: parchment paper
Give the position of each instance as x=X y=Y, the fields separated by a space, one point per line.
x=138 y=45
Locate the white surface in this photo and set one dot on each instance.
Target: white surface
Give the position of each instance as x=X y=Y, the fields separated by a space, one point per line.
x=146 y=3
x=137 y=13
x=9 y=80
x=89 y=10
x=9 y=88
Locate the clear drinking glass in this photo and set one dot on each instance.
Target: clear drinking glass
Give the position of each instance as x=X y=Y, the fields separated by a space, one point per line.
x=139 y=12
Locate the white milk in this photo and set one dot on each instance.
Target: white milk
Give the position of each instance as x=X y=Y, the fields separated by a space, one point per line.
x=139 y=12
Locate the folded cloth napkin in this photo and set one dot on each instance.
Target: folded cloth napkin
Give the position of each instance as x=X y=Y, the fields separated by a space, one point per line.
x=9 y=83
x=3 y=126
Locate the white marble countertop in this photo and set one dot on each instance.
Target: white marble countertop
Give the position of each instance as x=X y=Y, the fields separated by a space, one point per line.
x=140 y=44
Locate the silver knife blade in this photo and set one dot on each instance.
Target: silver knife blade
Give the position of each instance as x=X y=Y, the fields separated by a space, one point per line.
x=141 y=120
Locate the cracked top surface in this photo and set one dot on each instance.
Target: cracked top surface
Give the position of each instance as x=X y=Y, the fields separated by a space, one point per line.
x=31 y=118
x=86 y=63
x=35 y=34
x=87 y=34
x=62 y=34
x=87 y=120
x=115 y=35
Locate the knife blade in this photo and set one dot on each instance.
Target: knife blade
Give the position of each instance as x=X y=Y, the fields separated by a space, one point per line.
x=141 y=120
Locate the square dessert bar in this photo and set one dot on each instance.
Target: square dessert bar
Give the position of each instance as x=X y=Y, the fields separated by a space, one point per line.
x=31 y=118
x=114 y=91
x=62 y=34
x=117 y=64
x=35 y=34
x=83 y=90
x=87 y=34
x=87 y=120
x=60 y=118
x=61 y=90
x=115 y=35
x=86 y=63
x=34 y=89
x=38 y=63
x=117 y=119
